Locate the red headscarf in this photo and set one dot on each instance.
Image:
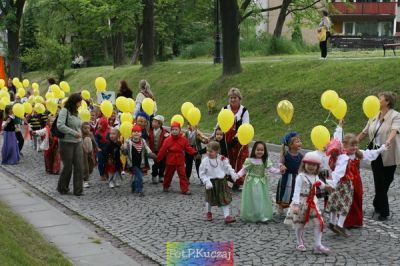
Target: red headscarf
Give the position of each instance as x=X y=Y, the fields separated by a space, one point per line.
x=102 y=129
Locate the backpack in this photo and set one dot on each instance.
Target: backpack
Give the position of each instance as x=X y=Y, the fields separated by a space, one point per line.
x=54 y=129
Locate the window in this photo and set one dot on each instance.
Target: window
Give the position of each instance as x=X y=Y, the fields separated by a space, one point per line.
x=367 y=28
x=348 y=28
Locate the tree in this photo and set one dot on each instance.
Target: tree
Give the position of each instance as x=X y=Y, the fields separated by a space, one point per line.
x=148 y=33
x=11 y=18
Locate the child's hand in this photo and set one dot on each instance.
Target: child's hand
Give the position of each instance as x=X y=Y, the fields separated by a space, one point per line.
x=296 y=209
x=282 y=169
x=209 y=185
x=328 y=189
x=341 y=122
x=152 y=156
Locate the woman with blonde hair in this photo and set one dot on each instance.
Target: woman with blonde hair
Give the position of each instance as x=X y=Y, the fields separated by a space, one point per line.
x=144 y=92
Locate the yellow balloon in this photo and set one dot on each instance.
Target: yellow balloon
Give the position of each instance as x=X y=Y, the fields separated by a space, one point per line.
x=27 y=108
x=126 y=117
x=39 y=99
x=35 y=86
x=55 y=89
x=320 y=136
x=62 y=95
x=122 y=104
x=85 y=94
x=18 y=110
x=6 y=100
x=329 y=99
x=84 y=115
x=245 y=133
x=19 y=85
x=65 y=86
x=148 y=106
x=21 y=92
x=285 y=111
x=2 y=83
x=25 y=83
x=39 y=108
x=126 y=129
x=49 y=95
x=194 y=116
x=4 y=89
x=106 y=108
x=15 y=81
x=179 y=119
x=36 y=92
x=131 y=105
x=226 y=118
x=84 y=105
x=371 y=106
x=100 y=84
x=340 y=110
x=186 y=108
x=31 y=99
x=64 y=101
x=3 y=104
x=52 y=106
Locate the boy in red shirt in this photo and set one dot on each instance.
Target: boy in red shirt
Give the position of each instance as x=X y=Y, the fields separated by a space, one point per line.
x=174 y=148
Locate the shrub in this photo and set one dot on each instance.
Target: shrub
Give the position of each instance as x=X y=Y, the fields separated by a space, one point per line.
x=205 y=48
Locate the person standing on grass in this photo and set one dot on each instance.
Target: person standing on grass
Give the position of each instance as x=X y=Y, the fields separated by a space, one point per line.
x=324 y=27
x=144 y=92
x=124 y=90
x=71 y=151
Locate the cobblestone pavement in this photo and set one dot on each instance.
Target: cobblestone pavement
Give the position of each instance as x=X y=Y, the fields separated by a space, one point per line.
x=148 y=223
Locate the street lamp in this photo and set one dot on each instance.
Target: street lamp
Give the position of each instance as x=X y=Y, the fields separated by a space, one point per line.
x=217 y=52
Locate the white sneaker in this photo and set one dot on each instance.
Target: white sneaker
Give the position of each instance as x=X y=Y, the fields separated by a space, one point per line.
x=111 y=184
x=85 y=184
x=123 y=173
x=117 y=184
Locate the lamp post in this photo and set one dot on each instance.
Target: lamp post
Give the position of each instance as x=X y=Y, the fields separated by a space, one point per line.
x=217 y=52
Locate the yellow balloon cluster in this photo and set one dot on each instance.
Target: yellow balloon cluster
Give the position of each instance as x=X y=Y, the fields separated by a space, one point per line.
x=320 y=136
x=330 y=101
x=371 y=106
x=245 y=134
x=226 y=118
x=285 y=111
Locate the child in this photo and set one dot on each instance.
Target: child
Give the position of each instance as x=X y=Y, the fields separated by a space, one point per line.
x=136 y=150
x=256 y=205
x=289 y=166
x=346 y=170
x=10 y=151
x=174 y=149
x=35 y=123
x=304 y=207
x=142 y=119
x=220 y=138
x=49 y=145
x=113 y=157
x=195 y=138
x=101 y=137
x=213 y=171
x=157 y=136
x=88 y=145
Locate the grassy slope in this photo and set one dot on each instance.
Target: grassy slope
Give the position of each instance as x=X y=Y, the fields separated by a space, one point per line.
x=263 y=85
x=20 y=244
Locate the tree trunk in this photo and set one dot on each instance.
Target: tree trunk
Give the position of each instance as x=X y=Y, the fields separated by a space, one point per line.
x=148 y=33
x=118 y=49
x=138 y=45
x=105 y=46
x=230 y=37
x=161 y=55
x=281 y=18
x=13 y=54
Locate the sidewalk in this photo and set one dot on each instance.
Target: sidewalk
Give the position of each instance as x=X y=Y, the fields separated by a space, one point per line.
x=76 y=242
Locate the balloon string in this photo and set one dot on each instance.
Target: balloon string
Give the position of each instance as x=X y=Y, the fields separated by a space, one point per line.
x=327 y=118
x=237 y=158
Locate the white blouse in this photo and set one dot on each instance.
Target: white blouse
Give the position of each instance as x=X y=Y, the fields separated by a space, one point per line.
x=216 y=168
x=299 y=184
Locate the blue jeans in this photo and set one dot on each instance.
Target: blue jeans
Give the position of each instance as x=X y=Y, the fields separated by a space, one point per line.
x=137 y=182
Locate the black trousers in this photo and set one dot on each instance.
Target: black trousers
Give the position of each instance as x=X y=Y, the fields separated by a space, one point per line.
x=323 y=46
x=158 y=169
x=20 y=139
x=383 y=177
x=189 y=165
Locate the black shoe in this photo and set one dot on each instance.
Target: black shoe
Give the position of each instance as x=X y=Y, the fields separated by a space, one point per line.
x=141 y=194
x=332 y=228
x=382 y=218
x=341 y=231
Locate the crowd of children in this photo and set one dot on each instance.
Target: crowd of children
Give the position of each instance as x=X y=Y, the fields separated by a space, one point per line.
x=333 y=174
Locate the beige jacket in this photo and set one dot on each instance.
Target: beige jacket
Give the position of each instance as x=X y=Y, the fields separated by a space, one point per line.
x=391 y=121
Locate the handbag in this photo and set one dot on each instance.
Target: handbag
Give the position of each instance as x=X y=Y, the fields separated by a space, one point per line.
x=54 y=129
x=371 y=145
x=322 y=34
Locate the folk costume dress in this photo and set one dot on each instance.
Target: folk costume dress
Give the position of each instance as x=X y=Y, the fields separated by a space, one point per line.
x=287 y=182
x=346 y=180
x=10 y=151
x=305 y=196
x=49 y=145
x=256 y=204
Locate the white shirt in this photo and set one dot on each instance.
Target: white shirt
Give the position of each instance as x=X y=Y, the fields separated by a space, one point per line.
x=215 y=169
x=299 y=184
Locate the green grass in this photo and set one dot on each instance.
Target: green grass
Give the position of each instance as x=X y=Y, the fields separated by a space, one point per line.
x=21 y=245
x=264 y=82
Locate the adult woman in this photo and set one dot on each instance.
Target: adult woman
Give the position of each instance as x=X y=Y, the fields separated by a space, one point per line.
x=237 y=153
x=324 y=26
x=71 y=151
x=144 y=92
x=384 y=129
x=124 y=90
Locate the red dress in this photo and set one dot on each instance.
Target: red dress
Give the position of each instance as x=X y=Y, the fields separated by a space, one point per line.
x=355 y=216
x=52 y=159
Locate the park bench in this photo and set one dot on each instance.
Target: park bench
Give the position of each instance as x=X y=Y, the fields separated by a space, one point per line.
x=392 y=46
